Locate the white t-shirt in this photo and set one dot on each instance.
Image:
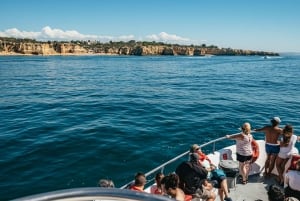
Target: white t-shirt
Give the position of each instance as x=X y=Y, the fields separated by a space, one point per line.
x=205 y=163
x=286 y=152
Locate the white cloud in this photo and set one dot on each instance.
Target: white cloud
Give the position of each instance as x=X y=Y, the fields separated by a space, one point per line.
x=165 y=37
x=47 y=33
x=126 y=38
x=19 y=34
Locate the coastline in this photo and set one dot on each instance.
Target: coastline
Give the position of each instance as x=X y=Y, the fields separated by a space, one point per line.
x=13 y=46
x=107 y=54
x=58 y=54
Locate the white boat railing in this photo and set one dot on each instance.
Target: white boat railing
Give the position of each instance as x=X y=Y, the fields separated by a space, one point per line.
x=94 y=194
x=162 y=167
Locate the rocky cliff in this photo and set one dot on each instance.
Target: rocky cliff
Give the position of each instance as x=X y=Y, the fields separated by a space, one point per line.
x=41 y=48
x=182 y=50
x=131 y=48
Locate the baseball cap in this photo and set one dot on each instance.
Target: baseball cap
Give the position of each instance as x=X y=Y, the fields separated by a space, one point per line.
x=277 y=119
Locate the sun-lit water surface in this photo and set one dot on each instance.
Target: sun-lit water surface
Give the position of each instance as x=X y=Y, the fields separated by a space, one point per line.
x=68 y=121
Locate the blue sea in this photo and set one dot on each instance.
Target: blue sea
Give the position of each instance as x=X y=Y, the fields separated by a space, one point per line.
x=68 y=121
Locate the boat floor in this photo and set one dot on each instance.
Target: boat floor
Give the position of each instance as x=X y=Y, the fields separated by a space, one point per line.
x=255 y=189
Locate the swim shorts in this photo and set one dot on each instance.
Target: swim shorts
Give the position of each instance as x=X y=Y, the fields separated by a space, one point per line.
x=272 y=148
x=242 y=158
x=216 y=182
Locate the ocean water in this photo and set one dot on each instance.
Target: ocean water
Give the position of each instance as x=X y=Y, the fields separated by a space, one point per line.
x=68 y=121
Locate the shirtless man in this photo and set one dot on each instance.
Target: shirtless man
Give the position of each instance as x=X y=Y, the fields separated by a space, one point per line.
x=272 y=133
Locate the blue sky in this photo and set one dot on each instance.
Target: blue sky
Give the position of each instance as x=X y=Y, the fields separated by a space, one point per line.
x=267 y=25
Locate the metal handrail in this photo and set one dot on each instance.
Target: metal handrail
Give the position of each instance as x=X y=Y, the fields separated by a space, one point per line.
x=162 y=166
x=94 y=193
x=112 y=194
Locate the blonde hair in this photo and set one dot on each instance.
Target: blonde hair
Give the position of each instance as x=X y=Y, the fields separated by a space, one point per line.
x=246 y=128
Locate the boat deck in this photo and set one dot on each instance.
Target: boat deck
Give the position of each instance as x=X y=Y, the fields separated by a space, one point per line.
x=255 y=189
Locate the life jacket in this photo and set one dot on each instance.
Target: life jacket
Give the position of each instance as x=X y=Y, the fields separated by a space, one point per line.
x=157 y=191
x=188 y=197
x=203 y=157
x=134 y=188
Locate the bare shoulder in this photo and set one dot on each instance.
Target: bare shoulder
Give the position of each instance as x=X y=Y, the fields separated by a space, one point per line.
x=239 y=136
x=279 y=130
x=180 y=194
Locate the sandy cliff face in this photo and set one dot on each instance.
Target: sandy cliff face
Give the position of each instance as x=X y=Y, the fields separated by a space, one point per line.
x=148 y=50
x=32 y=48
x=71 y=49
x=162 y=50
x=42 y=48
x=60 y=48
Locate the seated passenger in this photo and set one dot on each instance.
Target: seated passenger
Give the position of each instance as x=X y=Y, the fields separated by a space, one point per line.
x=171 y=187
x=191 y=176
x=106 y=183
x=214 y=174
x=139 y=182
x=292 y=181
x=202 y=156
x=156 y=189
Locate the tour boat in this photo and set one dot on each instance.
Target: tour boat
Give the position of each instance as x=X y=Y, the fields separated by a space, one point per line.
x=255 y=189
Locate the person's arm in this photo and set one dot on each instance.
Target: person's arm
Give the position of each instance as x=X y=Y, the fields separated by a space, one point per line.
x=208 y=159
x=259 y=129
x=202 y=172
x=234 y=137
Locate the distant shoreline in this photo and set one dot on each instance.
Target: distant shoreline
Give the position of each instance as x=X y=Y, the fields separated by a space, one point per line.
x=93 y=54
x=58 y=54
x=109 y=54
x=14 y=46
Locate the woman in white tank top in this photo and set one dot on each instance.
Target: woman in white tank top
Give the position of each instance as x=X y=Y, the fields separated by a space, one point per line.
x=244 y=150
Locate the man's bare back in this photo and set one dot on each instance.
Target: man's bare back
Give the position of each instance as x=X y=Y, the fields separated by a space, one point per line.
x=272 y=134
